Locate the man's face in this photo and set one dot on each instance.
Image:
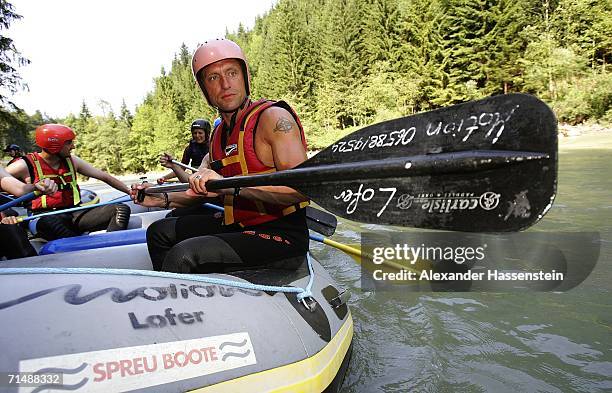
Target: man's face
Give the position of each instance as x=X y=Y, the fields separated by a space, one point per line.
x=13 y=153
x=198 y=134
x=66 y=149
x=224 y=83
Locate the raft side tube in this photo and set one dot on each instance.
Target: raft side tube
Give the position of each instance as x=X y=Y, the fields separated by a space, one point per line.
x=155 y=334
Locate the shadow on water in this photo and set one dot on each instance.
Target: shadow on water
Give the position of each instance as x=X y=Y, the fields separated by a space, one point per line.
x=476 y=342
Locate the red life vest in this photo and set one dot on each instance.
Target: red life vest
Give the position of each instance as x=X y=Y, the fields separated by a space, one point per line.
x=238 y=158
x=68 y=193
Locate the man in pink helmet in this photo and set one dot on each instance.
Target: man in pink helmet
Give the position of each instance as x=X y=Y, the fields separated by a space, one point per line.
x=261 y=226
x=56 y=162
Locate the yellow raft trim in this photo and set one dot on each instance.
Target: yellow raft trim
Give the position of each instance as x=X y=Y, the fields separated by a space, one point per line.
x=92 y=202
x=313 y=374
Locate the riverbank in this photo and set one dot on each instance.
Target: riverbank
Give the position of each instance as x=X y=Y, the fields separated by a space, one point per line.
x=584 y=136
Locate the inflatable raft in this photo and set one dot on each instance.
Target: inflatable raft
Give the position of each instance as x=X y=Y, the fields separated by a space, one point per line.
x=103 y=329
x=134 y=234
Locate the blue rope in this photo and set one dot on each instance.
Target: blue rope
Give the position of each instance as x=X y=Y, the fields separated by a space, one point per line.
x=302 y=293
x=307 y=291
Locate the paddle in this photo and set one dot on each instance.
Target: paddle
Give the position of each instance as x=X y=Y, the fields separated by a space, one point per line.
x=357 y=254
x=125 y=198
x=24 y=198
x=184 y=165
x=321 y=221
x=353 y=252
x=318 y=220
x=7 y=196
x=483 y=166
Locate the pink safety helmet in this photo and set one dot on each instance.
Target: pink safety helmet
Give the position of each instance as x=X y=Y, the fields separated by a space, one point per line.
x=216 y=50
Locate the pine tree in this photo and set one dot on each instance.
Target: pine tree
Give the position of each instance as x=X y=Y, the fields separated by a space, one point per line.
x=287 y=64
x=382 y=60
x=423 y=80
x=125 y=116
x=342 y=67
x=585 y=27
x=382 y=31
x=10 y=58
x=138 y=156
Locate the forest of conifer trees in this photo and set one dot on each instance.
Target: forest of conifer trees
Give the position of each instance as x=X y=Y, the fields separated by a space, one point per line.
x=348 y=63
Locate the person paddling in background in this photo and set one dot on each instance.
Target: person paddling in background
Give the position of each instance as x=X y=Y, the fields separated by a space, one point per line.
x=14 y=151
x=261 y=226
x=56 y=162
x=193 y=155
x=13 y=239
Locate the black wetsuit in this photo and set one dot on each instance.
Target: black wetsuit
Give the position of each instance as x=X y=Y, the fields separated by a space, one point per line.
x=198 y=209
x=110 y=217
x=14 y=242
x=194 y=154
x=202 y=244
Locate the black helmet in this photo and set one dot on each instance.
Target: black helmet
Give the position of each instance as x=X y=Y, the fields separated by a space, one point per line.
x=13 y=146
x=201 y=123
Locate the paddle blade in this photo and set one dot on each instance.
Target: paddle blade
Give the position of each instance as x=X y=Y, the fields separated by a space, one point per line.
x=483 y=166
x=320 y=221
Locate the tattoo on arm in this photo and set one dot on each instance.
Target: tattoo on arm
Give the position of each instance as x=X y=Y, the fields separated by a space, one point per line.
x=283 y=125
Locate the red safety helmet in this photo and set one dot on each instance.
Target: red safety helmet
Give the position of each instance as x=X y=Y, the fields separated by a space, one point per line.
x=216 y=50
x=51 y=137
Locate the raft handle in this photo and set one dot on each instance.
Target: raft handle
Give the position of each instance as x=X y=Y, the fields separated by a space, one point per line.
x=341 y=299
x=310 y=303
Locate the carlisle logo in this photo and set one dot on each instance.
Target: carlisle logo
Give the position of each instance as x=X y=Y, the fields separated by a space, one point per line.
x=53 y=139
x=447 y=202
x=230 y=149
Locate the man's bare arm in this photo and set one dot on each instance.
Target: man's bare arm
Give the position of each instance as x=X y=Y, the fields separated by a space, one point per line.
x=205 y=162
x=181 y=174
x=282 y=148
x=19 y=170
x=9 y=184
x=175 y=199
x=18 y=188
x=84 y=168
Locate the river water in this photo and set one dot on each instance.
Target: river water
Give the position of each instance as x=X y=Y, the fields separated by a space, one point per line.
x=488 y=342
